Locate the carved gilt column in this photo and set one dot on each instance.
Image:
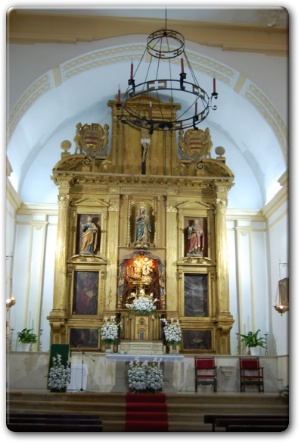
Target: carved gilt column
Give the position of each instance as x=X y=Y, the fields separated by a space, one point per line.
x=171 y=259
x=58 y=314
x=112 y=257
x=224 y=319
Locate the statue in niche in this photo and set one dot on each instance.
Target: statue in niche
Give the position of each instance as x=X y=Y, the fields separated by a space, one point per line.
x=143 y=227
x=89 y=237
x=141 y=269
x=195 y=237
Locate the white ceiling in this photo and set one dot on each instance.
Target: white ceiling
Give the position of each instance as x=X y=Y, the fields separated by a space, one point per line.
x=34 y=147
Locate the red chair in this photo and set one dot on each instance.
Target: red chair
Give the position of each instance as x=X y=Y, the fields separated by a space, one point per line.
x=205 y=371
x=251 y=373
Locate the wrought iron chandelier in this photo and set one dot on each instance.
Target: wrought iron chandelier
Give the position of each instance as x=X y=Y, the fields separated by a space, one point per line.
x=166 y=49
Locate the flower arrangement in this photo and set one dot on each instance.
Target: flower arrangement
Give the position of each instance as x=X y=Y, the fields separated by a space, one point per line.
x=172 y=331
x=145 y=377
x=109 y=330
x=59 y=375
x=143 y=304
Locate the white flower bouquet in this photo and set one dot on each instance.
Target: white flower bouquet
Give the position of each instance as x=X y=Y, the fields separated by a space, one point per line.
x=145 y=377
x=109 y=330
x=143 y=304
x=59 y=375
x=172 y=331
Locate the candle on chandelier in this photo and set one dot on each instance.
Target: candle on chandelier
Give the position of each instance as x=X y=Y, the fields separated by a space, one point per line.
x=131 y=76
x=118 y=94
x=182 y=65
x=150 y=110
x=195 y=111
x=214 y=85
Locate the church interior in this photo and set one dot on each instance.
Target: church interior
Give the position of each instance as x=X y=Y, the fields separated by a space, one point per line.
x=147 y=164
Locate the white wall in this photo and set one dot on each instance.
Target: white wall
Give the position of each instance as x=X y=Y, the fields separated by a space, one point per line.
x=33 y=274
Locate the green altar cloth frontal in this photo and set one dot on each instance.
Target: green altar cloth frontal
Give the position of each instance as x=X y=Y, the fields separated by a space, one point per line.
x=61 y=349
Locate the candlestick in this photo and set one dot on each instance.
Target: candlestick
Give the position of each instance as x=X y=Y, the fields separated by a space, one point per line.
x=131 y=76
x=182 y=65
x=214 y=85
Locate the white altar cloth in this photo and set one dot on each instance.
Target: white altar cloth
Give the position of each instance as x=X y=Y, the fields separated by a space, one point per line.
x=128 y=358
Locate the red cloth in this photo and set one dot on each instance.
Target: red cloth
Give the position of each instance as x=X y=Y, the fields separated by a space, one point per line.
x=146 y=412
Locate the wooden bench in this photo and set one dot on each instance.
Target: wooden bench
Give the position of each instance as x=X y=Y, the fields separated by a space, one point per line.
x=22 y=422
x=231 y=422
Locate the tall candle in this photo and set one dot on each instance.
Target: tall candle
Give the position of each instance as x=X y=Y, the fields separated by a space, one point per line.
x=195 y=112
x=182 y=65
x=214 y=85
x=150 y=111
x=131 y=76
x=118 y=94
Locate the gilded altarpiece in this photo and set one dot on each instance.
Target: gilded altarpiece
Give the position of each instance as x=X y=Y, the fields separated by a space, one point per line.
x=154 y=222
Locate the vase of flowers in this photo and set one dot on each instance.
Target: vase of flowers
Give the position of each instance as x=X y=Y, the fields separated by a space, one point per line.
x=173 y=334
x=59 y=375
x=145 y=377
x=143 y=304
x=109 y=333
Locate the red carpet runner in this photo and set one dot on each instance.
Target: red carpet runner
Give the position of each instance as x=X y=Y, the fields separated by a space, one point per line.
x=146 y=412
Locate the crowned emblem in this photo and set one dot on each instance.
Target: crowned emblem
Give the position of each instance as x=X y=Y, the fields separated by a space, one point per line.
x=195 y=144
x=91 y=139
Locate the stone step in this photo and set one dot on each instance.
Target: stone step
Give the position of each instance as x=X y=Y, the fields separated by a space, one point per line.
x=185 y=411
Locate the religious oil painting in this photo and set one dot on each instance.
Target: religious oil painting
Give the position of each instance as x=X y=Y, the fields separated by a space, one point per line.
x=88 y=234
x=84 y=338
x=195 y=295
x=195 y=237
x=197 y=340
x=85 y=299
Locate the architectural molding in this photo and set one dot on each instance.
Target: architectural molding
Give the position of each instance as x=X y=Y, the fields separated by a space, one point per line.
x=33 y=27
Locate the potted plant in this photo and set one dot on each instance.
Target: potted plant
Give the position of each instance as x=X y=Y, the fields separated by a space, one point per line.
x=27 y=337
x=252 y=340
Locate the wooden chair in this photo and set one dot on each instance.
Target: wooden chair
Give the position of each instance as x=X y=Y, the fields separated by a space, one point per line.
x=251 y=373
x=205 y=371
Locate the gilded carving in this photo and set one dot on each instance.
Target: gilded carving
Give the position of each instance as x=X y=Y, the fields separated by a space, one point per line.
x=113 y=206
x=195 y=144
x=64 y=201
x=140 y=211
x=91 y=139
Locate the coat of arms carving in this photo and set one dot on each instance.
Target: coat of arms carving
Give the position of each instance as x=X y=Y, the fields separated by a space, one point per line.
x=195 y=144
x=91 y=139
